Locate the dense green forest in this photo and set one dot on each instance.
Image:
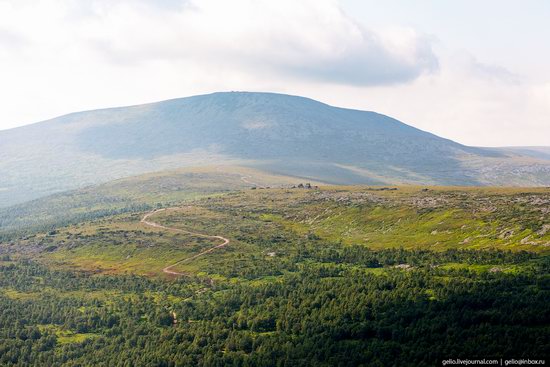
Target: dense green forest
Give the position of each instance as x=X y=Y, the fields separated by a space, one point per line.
x=320 y=314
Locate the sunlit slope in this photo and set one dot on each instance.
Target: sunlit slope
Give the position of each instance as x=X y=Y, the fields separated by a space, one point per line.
x=131 y=194
x=329 y=224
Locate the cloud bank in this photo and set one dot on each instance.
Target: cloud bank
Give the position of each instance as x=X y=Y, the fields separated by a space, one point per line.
x=60 y=56
x=307 y=39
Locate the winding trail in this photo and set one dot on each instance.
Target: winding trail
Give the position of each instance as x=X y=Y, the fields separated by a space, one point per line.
x=245 y=180
x=148 y=222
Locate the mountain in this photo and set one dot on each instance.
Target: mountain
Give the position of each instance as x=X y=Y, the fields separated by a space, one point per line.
x=287 y=135
x=536 y=152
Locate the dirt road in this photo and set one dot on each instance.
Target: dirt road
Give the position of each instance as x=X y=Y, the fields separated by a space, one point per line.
x=145 y=220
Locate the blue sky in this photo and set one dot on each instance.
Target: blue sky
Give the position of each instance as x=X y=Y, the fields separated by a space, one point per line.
x=513 y=34
x=477 y=72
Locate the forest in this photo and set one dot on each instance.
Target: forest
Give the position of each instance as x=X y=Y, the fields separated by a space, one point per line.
x=321 y=314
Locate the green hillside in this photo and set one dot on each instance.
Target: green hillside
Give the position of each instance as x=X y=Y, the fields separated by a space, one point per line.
x=256 y=221
x=130 y=195
x=310 y=276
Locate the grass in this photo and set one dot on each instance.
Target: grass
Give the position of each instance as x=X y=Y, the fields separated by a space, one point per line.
x=66 y=336
x=18 y=295
x=398 y=223
x=272 y=221
x=132 y=194
x=485 y=268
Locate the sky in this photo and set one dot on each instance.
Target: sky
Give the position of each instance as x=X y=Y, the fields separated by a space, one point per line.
x=477 y=72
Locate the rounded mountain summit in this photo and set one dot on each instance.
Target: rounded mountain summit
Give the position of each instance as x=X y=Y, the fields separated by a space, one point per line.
x=284 y=134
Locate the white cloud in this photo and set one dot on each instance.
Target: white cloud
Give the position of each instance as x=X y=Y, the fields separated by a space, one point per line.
x=311 y=39
x=472 y=104
x=59 y=56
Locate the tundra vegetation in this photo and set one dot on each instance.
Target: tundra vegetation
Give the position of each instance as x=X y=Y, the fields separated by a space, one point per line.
x=317 y=276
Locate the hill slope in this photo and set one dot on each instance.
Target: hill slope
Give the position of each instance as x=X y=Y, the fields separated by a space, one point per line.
x=536 y=152
x=130 y=194
x=327 y=276
x=280 y=133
